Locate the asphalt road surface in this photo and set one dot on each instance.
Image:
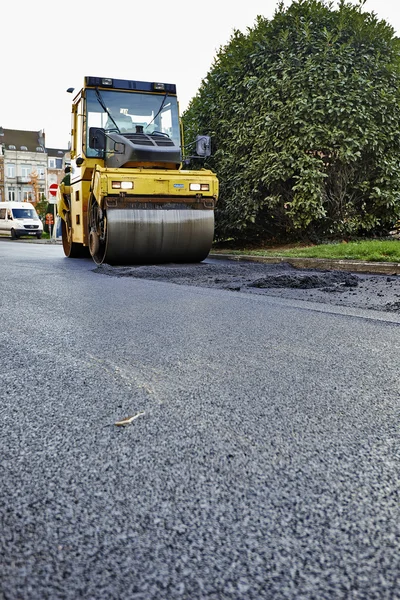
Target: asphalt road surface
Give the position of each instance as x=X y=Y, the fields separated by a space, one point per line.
x=264 y=458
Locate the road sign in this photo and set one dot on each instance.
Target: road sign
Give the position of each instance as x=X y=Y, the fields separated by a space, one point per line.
x=53 y=189
x=49 y=219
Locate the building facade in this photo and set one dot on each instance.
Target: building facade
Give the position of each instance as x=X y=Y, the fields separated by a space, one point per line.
x=56 y=161
x=27 y=167
x=1 y=175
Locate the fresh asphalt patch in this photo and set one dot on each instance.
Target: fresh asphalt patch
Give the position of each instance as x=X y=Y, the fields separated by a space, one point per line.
x=341 y=288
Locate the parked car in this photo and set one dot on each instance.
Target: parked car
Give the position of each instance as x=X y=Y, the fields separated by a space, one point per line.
x=19 y=219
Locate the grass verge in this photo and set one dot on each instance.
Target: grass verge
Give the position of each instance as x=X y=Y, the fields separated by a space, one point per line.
x=364 y=250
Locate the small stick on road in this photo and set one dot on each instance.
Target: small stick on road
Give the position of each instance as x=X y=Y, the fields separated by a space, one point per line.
x=128 y=420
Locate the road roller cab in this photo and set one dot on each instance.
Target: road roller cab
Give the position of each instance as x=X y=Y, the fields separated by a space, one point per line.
x=130 y=200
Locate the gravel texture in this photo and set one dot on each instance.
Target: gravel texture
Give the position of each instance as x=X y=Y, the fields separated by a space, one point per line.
x=376 y=292
x=266 y=465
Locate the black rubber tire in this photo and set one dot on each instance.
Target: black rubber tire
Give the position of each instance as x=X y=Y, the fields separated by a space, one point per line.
x=96 y=246
x=14 y=235
x=72 y=249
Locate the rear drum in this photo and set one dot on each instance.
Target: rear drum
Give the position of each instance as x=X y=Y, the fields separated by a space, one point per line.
x=149 y=236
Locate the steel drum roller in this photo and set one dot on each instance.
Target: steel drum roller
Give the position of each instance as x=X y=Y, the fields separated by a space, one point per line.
x=137 y=236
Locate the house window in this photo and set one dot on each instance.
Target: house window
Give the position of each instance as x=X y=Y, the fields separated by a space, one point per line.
x=11 y=195
x=39 y=149
x=10 y=170
x=27 y=196
x=40 y=172
x=24 y=148
x=59 y=162
x=25 y=170
x=52 y=163
x=11 y=147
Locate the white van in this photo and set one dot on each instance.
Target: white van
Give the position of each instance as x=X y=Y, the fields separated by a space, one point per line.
x=18 y=219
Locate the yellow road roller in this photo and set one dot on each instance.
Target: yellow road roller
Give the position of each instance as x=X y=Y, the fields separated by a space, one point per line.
x=130 y=199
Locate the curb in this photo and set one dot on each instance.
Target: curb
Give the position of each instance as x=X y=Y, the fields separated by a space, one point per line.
x=355 y=266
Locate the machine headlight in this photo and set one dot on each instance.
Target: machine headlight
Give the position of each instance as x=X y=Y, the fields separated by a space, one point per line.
x=199 y=187
x=122 y=185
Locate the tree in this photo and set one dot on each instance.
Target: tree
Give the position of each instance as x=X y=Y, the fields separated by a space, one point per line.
x=42 y=207
x=304 y=115
x=34 y=180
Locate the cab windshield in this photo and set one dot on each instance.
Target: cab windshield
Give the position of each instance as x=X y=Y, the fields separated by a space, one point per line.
x=24 y=213
x=132 y=113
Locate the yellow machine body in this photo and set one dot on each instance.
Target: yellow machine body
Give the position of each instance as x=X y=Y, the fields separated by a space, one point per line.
x=129 y=200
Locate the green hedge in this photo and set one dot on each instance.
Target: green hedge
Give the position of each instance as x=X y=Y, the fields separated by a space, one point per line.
x=303 y=111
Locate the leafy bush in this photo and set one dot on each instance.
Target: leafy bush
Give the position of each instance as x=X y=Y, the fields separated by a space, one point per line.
x=304 y=115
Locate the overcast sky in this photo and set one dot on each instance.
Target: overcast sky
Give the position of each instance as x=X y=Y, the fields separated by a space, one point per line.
x=49 y=46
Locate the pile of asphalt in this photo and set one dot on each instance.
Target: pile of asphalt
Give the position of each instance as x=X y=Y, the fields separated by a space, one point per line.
x=378 y=292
